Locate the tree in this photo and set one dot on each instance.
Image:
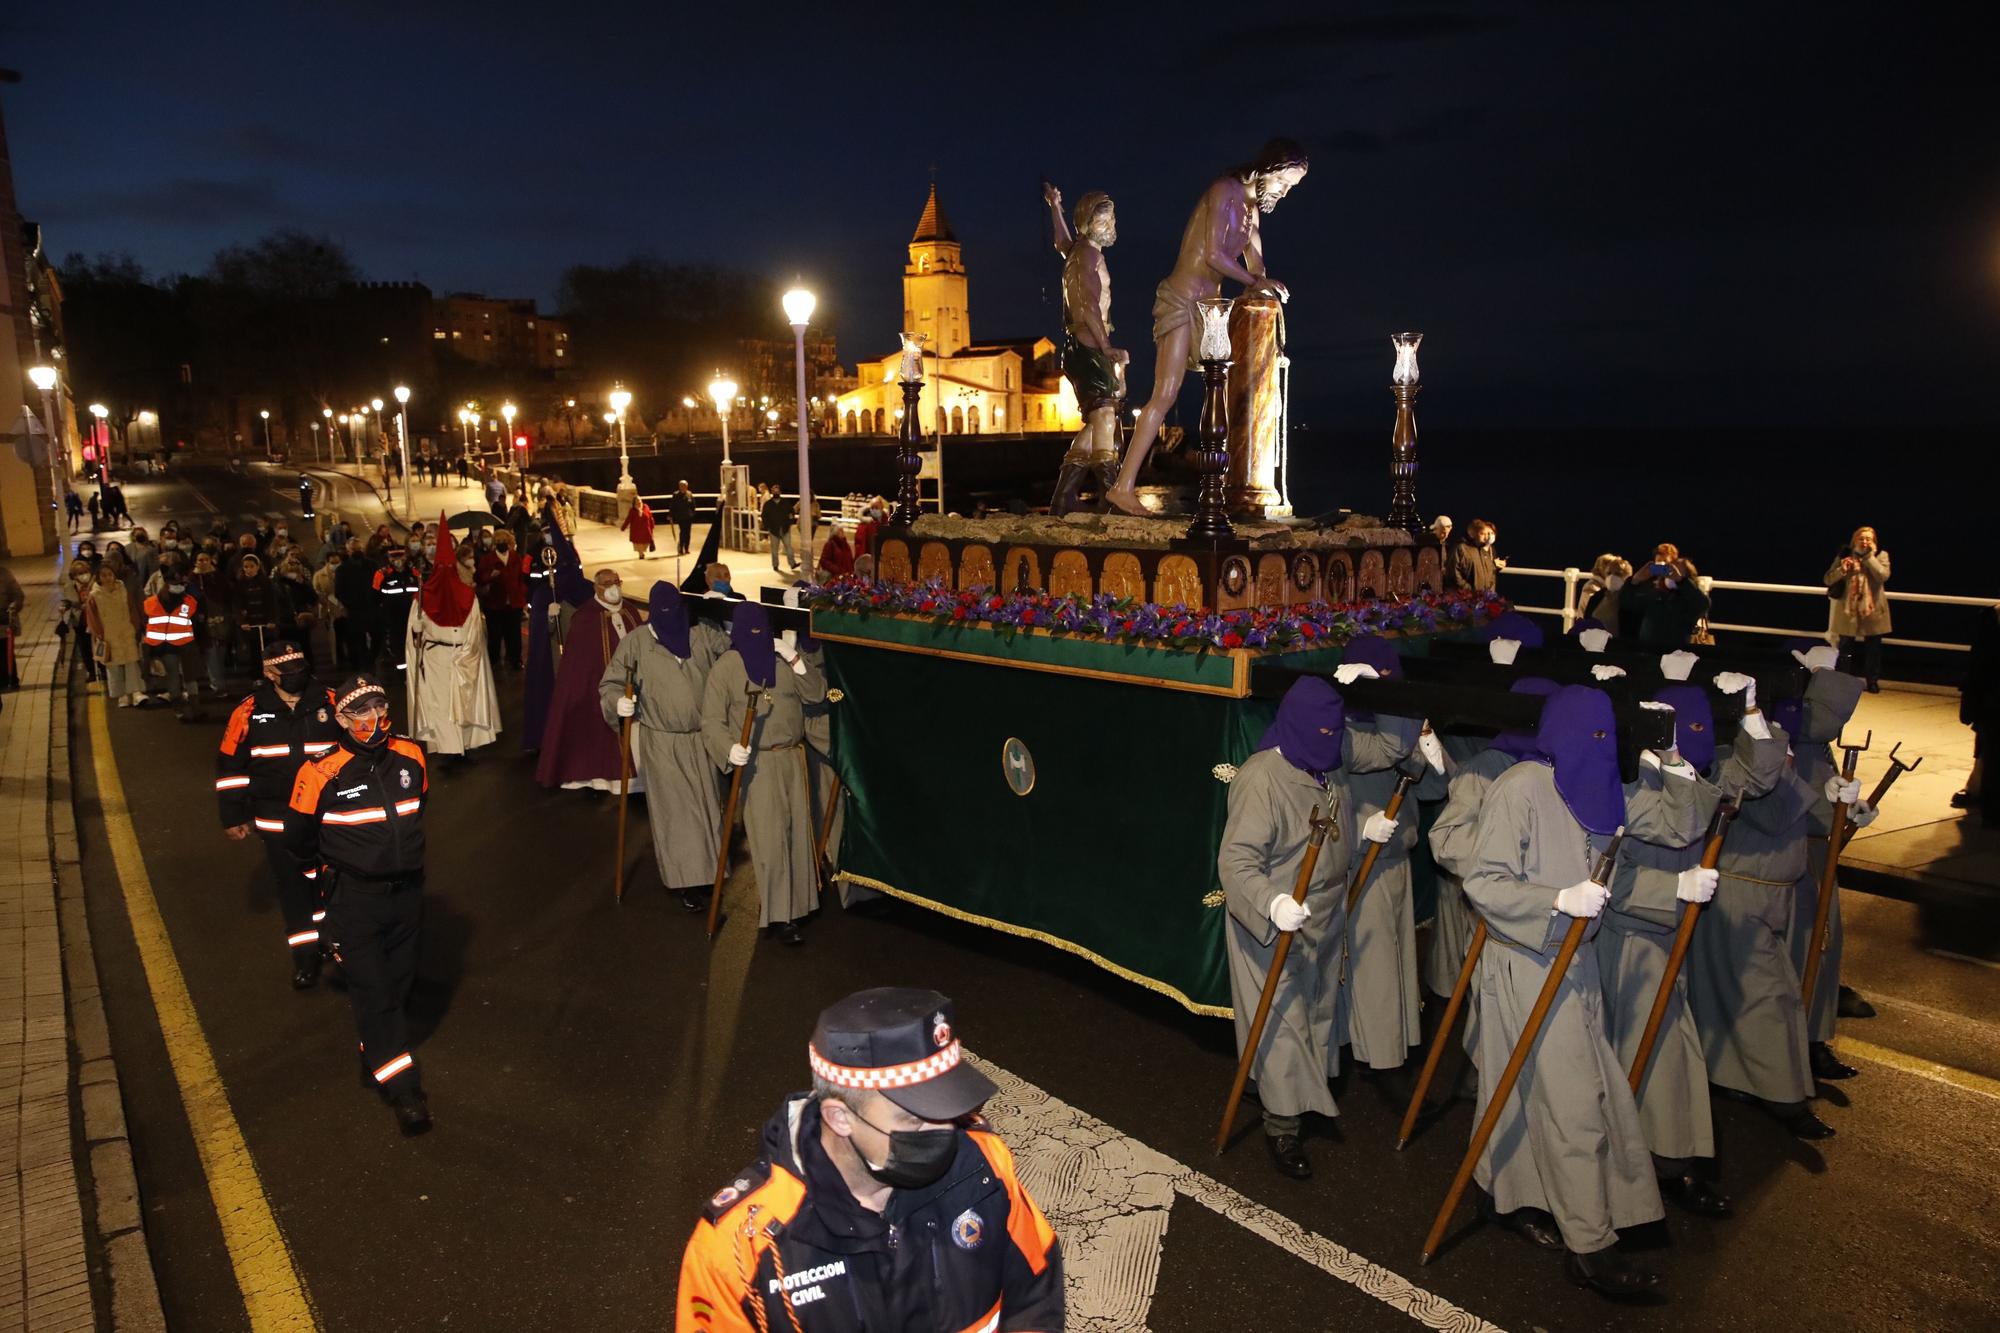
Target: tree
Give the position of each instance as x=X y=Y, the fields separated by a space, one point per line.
x=663 y=328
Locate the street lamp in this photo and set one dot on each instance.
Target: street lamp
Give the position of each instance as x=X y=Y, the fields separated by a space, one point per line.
x=102 y=430
x=266 y=416
x=722 y=392
x=507 y=410
x=327 y=413
x=381 y=431
x=403 y=436
x=44 y=378
x=569 y=420
x=628 y=490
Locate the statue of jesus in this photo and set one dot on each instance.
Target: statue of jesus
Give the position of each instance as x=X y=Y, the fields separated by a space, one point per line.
x=1222 y=240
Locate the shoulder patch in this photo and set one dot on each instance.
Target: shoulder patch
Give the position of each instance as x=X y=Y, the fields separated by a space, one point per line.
x=748 y=1181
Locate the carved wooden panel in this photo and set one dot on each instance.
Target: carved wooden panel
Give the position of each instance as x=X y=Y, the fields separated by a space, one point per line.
x=1272 y=581
x=1122 y=576
x=1339 y=579
x=934 y=562
x=1373 y=579
x=1069 y=572
x=1430 y=569
x=1023 y=569
x=975 y=568
x=1402 y=572
x=892 y=564
x=1177 y=582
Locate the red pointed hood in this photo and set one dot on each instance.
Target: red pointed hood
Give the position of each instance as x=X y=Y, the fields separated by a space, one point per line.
x=448 y=599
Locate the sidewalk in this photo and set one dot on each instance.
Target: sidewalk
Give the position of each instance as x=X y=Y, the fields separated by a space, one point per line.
x=1920 y=848
x=58 y=1270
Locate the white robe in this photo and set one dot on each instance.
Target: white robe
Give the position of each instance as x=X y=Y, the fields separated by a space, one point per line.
x=449 y=685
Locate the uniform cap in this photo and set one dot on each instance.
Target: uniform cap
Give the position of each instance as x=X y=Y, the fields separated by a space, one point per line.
x=357 y=689
x=903 y=1043
x=280 y=651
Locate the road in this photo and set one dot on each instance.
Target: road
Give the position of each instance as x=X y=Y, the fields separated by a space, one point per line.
x=597 y=1071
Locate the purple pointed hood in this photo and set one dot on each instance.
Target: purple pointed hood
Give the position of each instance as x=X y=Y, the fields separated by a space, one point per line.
x=1579 y=735
x=1694 y=723
x=668 y=619
x=750 y=637
x=1521 y=744
x=1309 y=727
x=1512 y=625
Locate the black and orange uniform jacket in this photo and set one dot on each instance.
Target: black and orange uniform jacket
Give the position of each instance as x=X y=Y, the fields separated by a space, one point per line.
x=785 y=1246
x=361 y=811
x=262 y=748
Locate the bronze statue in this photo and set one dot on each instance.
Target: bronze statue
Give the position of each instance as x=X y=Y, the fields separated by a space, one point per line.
x=1222 y=240
x=1095 y=369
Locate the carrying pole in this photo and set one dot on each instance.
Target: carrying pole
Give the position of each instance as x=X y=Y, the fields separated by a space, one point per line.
x=1711 y=856
x=751 y=693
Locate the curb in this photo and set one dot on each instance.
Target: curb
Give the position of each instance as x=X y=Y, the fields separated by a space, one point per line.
x=107 y=1171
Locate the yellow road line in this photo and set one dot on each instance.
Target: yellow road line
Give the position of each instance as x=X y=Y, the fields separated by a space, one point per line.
x=1963 y=1079
x=273 y=1293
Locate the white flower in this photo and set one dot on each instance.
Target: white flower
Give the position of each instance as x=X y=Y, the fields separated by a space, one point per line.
x=1224 y=772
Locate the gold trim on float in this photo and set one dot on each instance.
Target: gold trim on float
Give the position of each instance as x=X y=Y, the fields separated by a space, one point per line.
x=1028 y=933
x=1238 y=688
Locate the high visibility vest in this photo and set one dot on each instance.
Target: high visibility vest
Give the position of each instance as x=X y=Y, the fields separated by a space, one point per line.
x=169 y=629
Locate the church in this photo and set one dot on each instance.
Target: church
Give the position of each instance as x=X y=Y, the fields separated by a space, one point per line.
x=1002 y=387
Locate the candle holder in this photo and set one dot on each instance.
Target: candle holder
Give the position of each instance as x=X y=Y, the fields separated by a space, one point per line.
x=908 y=461
x=1211 y=505
x=1404 y=384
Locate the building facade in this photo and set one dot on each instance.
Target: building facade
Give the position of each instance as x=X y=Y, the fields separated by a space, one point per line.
x=493 y=331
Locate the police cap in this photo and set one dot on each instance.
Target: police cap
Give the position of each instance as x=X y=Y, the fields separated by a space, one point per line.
x=903 y=1043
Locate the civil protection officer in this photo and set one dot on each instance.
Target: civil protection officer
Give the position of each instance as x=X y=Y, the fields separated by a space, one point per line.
x=283 y=723
x=360 y=810
x=880 y=1198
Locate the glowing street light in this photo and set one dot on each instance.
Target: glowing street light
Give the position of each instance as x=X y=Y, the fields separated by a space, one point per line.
x=722 y=392
x=44 y=378
x=799 y=303
x=265 y=414
x=331 y=449
x=403 y=437
x=102 y=431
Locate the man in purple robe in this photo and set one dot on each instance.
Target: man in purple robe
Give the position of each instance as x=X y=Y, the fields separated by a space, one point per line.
x=578 y=750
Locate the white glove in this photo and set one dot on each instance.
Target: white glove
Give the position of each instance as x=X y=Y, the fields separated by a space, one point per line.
x=1432 y=749
x=739 y=755
x=1605 y=671
x=555 y=612
x=1696 y=884
x=1585 y=899
x=1678 y=664
x=1378 y=827
x=1756 y=726
x=798 y=665
x=1593 y=640
x=627 y=707
x=1732 y=682
x=1862 y=815
x=1349 y=672
x=786 y=649
x=1503 y=651
x=1822 y=658
x=1287 y=915
x=1839 y=792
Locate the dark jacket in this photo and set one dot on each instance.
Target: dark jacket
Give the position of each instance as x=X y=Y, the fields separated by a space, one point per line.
x=1979 y=704
x=1652 y=615
x=969 y=1252
x=361 y=811
x=263 y=746
x=680 y=508
x=1467 y=568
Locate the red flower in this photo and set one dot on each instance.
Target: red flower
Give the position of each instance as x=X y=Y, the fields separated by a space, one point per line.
x=958 y=614
x=1232 y=640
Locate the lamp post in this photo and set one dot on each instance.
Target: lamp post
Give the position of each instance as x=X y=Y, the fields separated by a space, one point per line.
x=265 y=416
x=628 y=490
x=722 y=392
x=44 y=378
x=1403 y=443
x=102 y=431
x=569 y=420
x=799 y=305
x=507 y=411
x=403 y=435
x=326 y=413
x=688 y=405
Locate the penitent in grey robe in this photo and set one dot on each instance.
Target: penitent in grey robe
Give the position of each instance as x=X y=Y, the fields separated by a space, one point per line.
x=667 y=747
x=1453 y=838
x=1380 y=1004
x=1742 y=985
x=1639 y=926
x=819 y=754
x=777 y=800
x=1569 y=1140
x=1830 y=700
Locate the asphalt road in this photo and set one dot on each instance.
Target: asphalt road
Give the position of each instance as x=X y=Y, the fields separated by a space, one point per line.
x=598 y=1070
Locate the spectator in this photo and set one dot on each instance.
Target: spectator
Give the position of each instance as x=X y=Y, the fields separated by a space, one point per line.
x=1662 y=605
x=326 y=591
x=680 y=508
x=1857 y=584
x=115 y=637
x=638 y=523
x=1598 y=598
x=864 y=568
x=836 y=558
x=1979 y=708
x=73 y=506
x=778 y=515
x=143 y=554
x=1471 y=565
x=96 y=509
x=464 y=470
x=12 y=599
x=1441 y=529
x=353 y=586
x=502 y=580
x=254 y=604
x=81 y=575
x=298 y=603
x=211 y=590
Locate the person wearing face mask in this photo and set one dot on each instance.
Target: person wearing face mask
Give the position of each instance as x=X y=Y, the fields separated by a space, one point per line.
x=359 y=811
x=1471 y=565
x=1598 y=598
x=577 y=751
x=394 y=589
x=284 y=722
x=879 y=1199
x=172 y=634
x=1662 y=605
x=449 y=686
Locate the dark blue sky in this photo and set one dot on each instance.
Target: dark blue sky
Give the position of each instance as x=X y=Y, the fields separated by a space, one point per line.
x=1599 y=215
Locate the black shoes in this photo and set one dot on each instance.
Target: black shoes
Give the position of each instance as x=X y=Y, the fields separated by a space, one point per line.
x=1827 y=1065
x=1613 y=1276
x=1852 y=1005
x=1696 y=1195
x=1961 y=799
x=1805 y=1125
x=1289 y=1156
x=1534 y=1223
x=305 y=970
x=785 y=932
x=694 y=900
x=413 y=1114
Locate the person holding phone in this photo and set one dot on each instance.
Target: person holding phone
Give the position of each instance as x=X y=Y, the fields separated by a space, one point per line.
x=1662 y=605
x=1856 y=584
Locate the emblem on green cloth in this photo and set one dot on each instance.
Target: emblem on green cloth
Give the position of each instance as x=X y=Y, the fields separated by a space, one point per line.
x=1017 y=766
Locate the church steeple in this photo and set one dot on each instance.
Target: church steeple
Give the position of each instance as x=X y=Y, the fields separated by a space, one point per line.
x=933 y=225
x=934 y=284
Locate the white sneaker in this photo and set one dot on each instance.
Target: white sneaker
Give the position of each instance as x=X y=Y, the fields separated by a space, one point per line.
x=124 y=701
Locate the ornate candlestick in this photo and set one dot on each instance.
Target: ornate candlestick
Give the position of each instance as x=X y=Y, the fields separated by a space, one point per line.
x=1211 y=505
x=1403 y=446
x=908 y=462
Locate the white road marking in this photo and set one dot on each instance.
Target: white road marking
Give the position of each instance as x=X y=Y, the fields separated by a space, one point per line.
x=1109 y=1196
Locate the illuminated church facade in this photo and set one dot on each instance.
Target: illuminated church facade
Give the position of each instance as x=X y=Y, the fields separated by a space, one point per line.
x=970 y=387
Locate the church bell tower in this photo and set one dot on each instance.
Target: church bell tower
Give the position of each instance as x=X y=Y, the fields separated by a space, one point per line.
x=934 y=283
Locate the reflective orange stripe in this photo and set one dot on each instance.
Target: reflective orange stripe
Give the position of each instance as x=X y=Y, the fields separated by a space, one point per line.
x=303 y=937
x=373 y=814
x=1029 y=1230
x=394 y=1067
x=227 y=784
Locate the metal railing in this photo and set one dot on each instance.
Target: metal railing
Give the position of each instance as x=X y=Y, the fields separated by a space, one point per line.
x=1573 y=579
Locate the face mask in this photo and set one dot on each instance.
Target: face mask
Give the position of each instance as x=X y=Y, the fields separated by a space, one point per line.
x=367 y=732
x=295 y=681
x=721 y=585
x=1614 y=582
x=176 y=589
x=917 y=1157
x=611 y=596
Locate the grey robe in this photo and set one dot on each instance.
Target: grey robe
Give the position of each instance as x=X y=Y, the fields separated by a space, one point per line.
x=667 y=747
x=1830 y=700
x=1742 y=985
x=776 y=801
x=1569 y=1140
x=1639 y=926
x=1379 y=1004
x=819 y=753
x=1453 y=838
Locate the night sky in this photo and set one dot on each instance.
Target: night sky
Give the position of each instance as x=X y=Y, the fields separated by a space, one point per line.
x=1686 y=217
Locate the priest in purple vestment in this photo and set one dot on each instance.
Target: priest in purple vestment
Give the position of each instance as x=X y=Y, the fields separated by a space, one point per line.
x=578 y=750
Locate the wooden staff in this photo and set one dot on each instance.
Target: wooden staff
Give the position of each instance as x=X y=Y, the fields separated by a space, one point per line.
x=833 y=793
x=624 y=791
x=1451 y=1008
x=1404 y=782
x=1836 y=839
x=1896 y=770
x=1532 y=1029
x=1711 y=856
x=1320 y=824
x=729 y=810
